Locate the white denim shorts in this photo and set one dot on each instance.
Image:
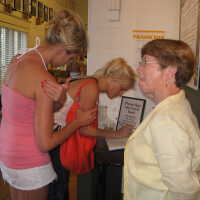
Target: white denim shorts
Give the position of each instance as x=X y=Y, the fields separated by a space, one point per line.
x=28 y=179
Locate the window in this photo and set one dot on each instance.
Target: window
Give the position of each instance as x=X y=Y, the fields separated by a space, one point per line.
x=11 y=41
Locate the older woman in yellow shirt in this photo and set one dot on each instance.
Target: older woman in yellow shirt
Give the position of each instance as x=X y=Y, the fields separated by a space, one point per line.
x=162 y=157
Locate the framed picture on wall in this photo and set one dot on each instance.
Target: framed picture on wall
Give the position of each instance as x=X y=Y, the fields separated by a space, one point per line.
x=18 y=5
x=50 y=13
x=33 y=7
x=2 y=1
x=11 y=2
x=26 y=6
x=46 y=13
x=40 y=10
x=190 y=32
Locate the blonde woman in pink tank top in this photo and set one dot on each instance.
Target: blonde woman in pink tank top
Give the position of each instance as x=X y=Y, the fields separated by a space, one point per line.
x=27 y=112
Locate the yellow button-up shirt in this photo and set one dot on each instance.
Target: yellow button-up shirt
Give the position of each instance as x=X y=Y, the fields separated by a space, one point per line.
x=162 y=157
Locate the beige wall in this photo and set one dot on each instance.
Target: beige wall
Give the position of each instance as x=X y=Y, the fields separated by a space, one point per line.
x=110 y=38
x=81 y=7
x=16 y=21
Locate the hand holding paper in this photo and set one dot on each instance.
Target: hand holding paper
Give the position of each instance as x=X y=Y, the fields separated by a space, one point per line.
x=125 y=131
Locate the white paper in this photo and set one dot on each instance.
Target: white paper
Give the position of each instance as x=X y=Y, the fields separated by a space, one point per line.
x=116 y=144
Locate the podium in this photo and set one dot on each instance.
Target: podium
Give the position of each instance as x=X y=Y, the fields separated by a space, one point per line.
x=105 y=181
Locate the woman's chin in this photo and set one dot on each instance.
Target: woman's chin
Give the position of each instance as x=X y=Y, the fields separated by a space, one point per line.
x=144 y=91
x=111 y=97
x=142 y=87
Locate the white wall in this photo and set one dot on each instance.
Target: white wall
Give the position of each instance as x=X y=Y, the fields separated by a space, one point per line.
x=108 y=39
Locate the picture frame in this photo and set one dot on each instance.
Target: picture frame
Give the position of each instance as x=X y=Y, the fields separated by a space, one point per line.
x=33 y=7
x=18 y=5
x=46 y=13
x=131 y=111
x=26 y=7
x=10 y=2
x=198 y=51
x=40 y=8
x=190 y=33
x=2 y=1
x=50 y=13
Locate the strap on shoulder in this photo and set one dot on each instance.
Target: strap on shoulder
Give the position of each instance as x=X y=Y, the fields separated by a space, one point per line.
x=83 y=84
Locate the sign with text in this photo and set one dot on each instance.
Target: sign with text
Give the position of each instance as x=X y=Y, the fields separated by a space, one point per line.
x=131 y=111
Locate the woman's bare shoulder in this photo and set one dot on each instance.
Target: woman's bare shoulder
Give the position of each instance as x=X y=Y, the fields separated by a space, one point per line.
x=85 y=85
x=89 y=94
x=29 y=75
x=89 y=82
x=88 y=86
x=36 y=69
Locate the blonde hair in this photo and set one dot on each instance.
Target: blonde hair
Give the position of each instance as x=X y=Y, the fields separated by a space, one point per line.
x=117 y=69
x=67 y=28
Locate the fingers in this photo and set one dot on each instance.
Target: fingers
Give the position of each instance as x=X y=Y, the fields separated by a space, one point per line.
x=92 y=118
x=68 y=80
x=14 y=58
x=126 y=130
x=94 y=110
x=66 y=84
x=129 y=127
x=86 y=117
x=93 y=113
x=51 y=85
x=52 y=89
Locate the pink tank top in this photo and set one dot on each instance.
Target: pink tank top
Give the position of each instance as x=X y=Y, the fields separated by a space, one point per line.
x=18 y=148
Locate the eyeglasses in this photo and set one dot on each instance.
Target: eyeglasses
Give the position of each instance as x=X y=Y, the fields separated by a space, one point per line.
x=145 y=62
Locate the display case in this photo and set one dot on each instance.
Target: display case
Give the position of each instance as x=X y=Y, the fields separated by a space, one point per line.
x=76 y=68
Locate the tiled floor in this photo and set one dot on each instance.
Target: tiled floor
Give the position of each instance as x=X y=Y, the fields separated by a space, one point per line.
x=4 y=191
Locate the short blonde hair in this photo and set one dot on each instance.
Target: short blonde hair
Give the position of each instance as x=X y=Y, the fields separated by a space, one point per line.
x=67 y=28
x=117 y=69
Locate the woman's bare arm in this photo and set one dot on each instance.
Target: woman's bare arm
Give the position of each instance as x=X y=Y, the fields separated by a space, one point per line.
x=56 y=92
x=45 y=137
x=88 y=99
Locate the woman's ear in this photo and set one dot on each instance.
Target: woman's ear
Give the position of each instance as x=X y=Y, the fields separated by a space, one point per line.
x=170 y=73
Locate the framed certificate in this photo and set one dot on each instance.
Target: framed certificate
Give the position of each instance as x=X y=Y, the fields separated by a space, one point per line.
x=40 y=11
x=131 y=111
x=33 y=7
x=46 y=13
x=50 y=13
x=26 y=7
x=2 y=1
x=190 y=33
x=18 y=5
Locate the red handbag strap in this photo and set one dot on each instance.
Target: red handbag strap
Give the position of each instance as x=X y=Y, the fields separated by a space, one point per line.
x=83 y=84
